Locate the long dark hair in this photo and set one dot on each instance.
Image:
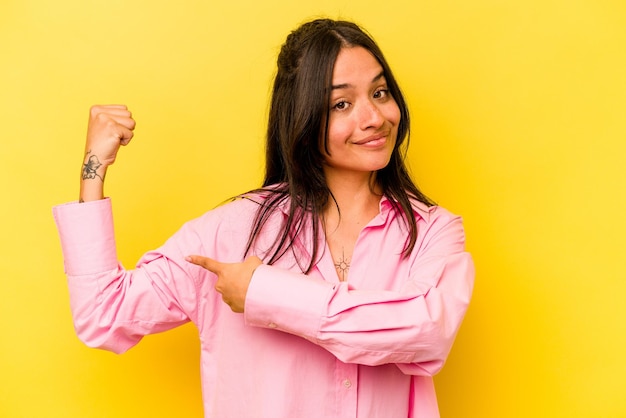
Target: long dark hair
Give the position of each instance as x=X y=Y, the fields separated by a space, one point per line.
x=299 y=112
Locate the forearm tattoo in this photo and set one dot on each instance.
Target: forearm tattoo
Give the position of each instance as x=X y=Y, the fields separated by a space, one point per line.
x=90 y=168
x=342 y=266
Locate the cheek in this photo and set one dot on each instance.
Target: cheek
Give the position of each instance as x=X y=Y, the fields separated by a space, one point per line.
x=339 y=131
x=393 y=114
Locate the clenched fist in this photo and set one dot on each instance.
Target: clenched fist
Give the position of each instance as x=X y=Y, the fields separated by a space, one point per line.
x=110 y=126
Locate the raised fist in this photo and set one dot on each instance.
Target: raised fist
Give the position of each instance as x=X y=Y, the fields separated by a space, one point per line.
x=109 y=127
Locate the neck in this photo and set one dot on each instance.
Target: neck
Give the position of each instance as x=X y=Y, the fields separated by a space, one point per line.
x=355 y=195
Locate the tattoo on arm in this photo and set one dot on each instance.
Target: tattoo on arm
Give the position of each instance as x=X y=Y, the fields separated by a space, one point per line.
x=342 y=266
x=91 y=167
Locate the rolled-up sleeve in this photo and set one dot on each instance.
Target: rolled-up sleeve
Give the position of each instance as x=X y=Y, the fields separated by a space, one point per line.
x=87 y=237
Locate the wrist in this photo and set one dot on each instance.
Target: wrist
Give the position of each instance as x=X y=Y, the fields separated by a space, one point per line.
x=92 y=180
x=93 y=168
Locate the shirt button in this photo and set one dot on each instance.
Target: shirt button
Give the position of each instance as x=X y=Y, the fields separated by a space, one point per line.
x=347 y=383
x=272 y=325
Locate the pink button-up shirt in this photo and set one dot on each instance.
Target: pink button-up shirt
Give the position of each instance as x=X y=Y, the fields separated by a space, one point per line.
x=307 y=345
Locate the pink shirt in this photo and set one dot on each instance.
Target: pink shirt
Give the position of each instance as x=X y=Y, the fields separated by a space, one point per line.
x=307 y=345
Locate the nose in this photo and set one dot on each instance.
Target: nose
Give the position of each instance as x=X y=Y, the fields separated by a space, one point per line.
x=370 y=115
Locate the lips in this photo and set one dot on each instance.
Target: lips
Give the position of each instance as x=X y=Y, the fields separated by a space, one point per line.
x=373 y=140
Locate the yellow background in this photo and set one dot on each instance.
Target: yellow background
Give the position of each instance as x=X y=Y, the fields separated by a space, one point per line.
x=519 y=124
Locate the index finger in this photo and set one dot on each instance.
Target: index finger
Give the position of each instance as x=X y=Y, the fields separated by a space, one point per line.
x=205 y=262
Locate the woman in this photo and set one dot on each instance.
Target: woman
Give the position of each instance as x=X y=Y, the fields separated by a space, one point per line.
x=335 y=290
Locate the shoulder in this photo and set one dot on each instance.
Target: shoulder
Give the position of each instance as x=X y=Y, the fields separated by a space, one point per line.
x=435 y=221
x=236 y=210
x=240 y=211
x=422 y=212
x=434 y=213
x=442 y=228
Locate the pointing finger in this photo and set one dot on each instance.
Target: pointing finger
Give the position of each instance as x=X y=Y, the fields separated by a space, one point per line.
x=205 y=262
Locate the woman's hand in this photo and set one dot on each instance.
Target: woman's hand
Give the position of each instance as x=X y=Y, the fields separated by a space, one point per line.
x=110 y=126
x=233 y=279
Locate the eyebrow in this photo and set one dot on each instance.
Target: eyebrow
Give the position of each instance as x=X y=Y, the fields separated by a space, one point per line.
x=348 y=85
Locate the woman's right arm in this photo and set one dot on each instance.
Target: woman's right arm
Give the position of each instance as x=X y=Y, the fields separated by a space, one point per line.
x=112 y=307
x=109 y=127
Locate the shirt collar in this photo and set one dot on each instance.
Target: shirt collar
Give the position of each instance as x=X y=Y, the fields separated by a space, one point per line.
x=385 y=206
x=420 y=209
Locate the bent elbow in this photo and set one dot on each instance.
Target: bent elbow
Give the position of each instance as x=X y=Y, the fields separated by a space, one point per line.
x=430 y=357
x=434 y=343
x=425 y=368
x=104 y=337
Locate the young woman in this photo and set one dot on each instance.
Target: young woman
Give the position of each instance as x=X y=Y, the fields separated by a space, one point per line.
x=334 y=290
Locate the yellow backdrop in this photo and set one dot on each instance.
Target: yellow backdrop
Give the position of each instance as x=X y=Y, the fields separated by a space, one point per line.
x=519 y=113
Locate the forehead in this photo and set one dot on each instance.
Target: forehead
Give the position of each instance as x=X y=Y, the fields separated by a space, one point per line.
x=355 y=65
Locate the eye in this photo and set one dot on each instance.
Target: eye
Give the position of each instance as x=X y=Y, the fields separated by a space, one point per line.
x=341 y=105
x=381 y=93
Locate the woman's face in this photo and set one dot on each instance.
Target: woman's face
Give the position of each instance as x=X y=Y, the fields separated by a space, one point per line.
x=364 y=118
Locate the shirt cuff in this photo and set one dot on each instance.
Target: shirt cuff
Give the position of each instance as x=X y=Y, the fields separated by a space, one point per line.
x=288 y=301
x=87 y=236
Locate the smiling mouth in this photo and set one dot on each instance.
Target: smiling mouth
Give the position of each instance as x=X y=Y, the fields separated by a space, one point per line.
x=373 y=140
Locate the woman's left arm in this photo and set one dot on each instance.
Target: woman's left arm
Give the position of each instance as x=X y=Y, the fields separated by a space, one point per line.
x=413 y=327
